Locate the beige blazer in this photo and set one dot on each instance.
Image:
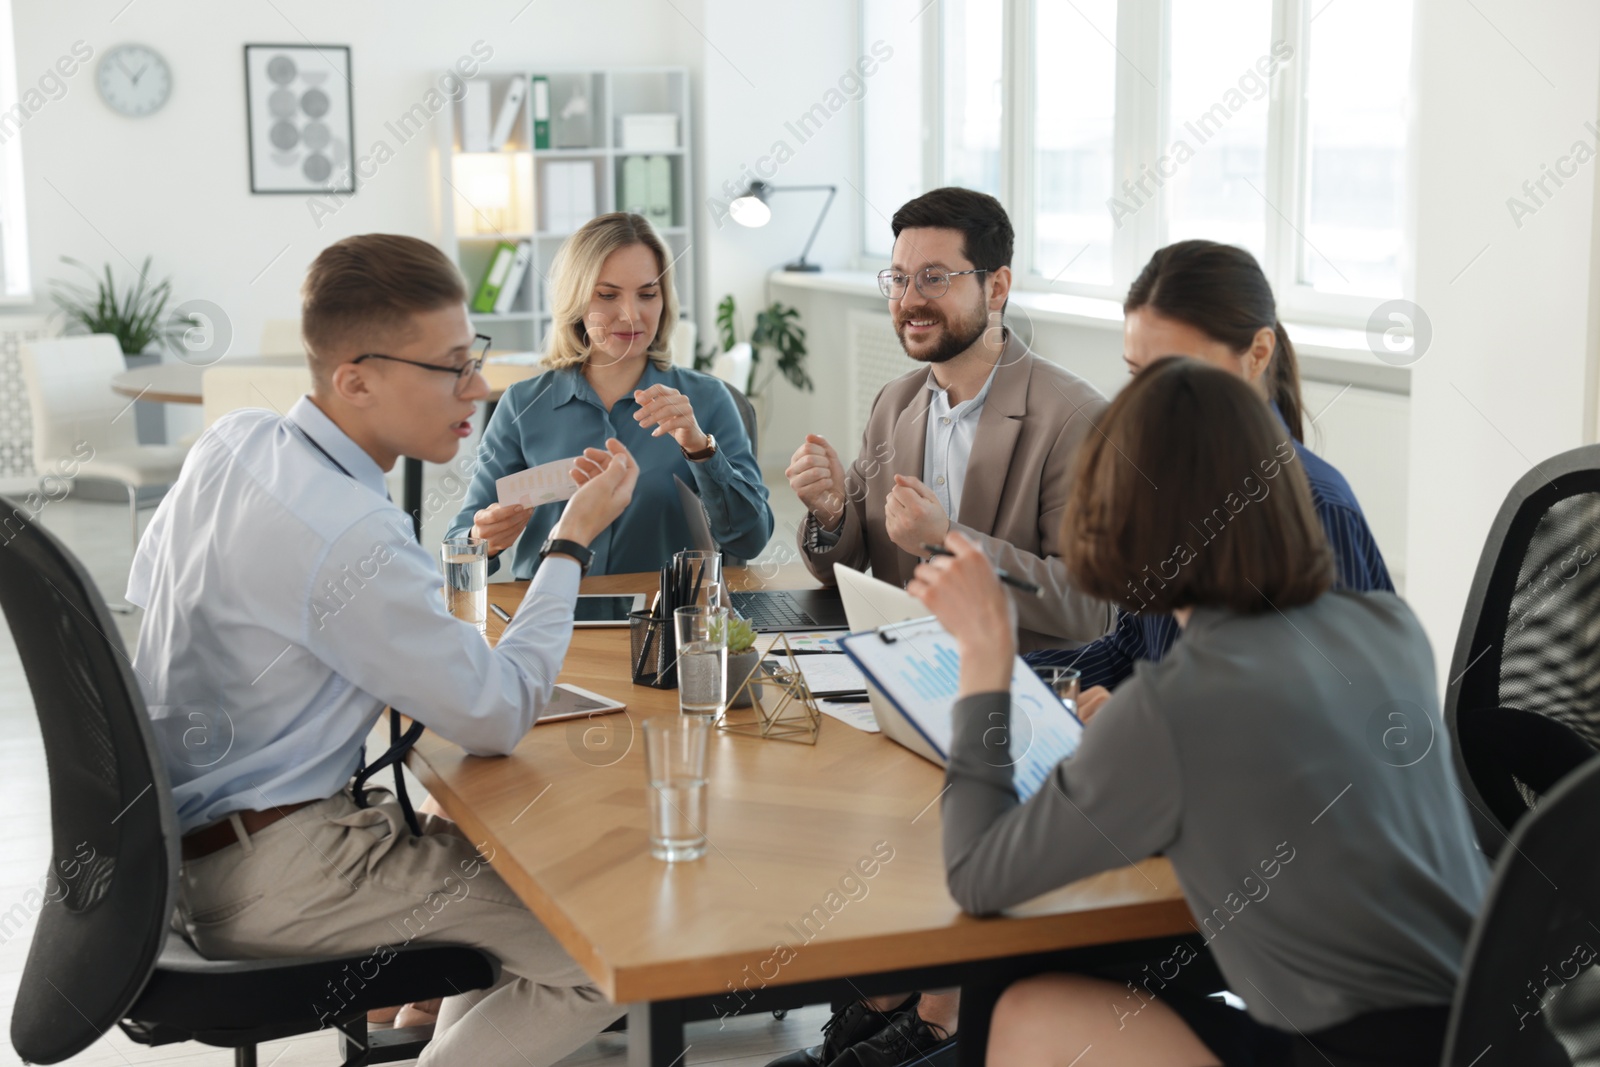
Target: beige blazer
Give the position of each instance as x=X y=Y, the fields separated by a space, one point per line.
x=1023 y=458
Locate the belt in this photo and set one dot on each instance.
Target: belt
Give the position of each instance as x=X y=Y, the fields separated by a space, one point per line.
x=219 y=835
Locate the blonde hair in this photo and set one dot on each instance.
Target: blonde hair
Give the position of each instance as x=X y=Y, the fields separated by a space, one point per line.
x=572 y=280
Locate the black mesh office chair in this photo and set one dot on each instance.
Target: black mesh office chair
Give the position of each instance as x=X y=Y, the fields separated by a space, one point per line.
x=1529 y=994
x=1523 y=704
x=101 y=953
x=747 y=414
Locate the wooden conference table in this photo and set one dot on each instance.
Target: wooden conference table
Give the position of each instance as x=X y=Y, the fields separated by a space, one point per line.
x=179 y=383
x=779 y=913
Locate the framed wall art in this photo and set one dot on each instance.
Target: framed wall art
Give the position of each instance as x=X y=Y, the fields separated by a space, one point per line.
x=299 y=118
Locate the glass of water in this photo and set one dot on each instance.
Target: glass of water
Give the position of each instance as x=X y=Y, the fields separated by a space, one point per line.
x=1064 y=683
x=466 y=579
x=702 y=634
x=675 y=765
x=704 y=570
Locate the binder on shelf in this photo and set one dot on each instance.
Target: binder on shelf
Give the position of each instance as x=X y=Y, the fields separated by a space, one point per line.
x=568 y=194
x=541 y=111
x=506 y=121
x=483 y=301
x=647 y=188
x=512 y=284
x=475 y=116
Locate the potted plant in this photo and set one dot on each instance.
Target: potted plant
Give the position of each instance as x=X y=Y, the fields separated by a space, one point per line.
x=743 y=659
x=777 y=330
x=137 y=319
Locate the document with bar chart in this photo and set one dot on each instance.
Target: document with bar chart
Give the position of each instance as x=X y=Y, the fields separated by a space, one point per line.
x=914 y=667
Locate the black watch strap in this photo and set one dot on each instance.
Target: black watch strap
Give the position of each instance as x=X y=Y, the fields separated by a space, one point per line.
x=582 y=553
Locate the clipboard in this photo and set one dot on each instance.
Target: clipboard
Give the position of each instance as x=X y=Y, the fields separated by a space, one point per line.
x=912 y=671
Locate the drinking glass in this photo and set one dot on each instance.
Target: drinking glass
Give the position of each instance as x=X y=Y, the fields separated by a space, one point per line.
x=466 y=579
x=1063 y=682
x=675 y=767
x=702 y=635
x=705 y=577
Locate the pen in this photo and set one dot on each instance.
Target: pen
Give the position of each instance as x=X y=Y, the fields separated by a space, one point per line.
x=498 y=610
x=1005 y=576
x=857 y=698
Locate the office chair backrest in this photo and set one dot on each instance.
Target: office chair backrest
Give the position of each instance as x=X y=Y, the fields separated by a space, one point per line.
x=1529 y=993
x=281 y=337
x=747 y=414
x=1530 y=635
x=225 y=388
x=69 y=395
x=113 y=867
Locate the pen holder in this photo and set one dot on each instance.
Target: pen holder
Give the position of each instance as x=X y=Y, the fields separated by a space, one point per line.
x=652 y=650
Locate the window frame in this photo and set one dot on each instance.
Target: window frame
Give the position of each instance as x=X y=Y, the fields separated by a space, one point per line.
x=1140 y=132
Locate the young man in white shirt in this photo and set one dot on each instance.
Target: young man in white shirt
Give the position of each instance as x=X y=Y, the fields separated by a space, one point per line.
x=286 y=603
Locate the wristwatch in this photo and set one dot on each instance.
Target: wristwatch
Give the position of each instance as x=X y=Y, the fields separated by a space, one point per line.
x=582 y=553
x=705 y=453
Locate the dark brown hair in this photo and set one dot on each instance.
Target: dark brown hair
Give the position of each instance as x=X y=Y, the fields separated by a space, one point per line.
x=986 y=236
x=1220 y=291
x=364 y=288
x=1191 y=495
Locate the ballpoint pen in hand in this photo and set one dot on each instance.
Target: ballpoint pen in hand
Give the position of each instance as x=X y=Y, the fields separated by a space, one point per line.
x=1010 y=579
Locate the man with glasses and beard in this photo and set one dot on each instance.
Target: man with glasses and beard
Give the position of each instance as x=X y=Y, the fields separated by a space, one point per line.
x=982 y=439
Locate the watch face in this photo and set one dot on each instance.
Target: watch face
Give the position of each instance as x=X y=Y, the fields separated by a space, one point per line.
x=133 y=80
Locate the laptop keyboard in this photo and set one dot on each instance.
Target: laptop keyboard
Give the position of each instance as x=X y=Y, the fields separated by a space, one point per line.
x=766 y=612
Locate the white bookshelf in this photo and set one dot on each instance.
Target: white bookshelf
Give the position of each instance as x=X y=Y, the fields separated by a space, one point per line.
x=490 y=197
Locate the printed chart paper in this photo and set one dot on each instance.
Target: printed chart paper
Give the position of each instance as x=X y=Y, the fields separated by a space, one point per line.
x=544 y=484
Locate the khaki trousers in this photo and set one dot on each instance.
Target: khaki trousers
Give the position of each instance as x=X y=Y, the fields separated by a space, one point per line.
x=334 y=878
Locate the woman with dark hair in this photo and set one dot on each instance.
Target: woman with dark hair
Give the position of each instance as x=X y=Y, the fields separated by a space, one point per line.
x=1335 y=890
x=1210 y=302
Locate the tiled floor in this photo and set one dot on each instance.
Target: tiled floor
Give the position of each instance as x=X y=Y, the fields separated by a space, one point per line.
x=98 y=534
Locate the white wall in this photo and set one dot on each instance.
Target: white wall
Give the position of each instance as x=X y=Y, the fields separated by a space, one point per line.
x=1509 y=378
x=765 y=66
x=175 y=185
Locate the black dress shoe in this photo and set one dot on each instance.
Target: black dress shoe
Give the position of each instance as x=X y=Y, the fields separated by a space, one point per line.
x=908 y=1039
x=850 y=1025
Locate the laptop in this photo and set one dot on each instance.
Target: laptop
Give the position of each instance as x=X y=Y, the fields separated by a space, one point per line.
x=868 y=605
x=768 y=610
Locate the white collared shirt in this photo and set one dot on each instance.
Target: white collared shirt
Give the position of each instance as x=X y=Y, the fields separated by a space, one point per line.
x=286 y=602
x=948 y=445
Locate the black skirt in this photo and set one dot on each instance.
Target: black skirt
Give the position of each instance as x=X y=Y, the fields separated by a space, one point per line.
x=1399 y=1037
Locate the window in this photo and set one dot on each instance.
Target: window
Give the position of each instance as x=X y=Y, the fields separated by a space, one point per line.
x=892 y=124
x=1354 y=161
x=1074 y=109
x=15 y=282
x=970 y=70
x=1216 y=108
x=1109 y=128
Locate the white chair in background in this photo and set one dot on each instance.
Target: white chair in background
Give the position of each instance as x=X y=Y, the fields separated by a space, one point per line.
x=684 y=336
x=225 y=388
x=80 y=424
x=281 y=337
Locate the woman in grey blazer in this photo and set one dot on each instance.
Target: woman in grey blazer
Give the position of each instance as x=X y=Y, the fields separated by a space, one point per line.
x=1286 y=756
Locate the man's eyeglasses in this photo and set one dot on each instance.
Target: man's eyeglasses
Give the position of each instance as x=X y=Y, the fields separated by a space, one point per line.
x=463 y=373
x=931 y=282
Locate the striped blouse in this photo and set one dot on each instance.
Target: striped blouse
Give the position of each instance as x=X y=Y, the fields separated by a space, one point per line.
x=1358 y=567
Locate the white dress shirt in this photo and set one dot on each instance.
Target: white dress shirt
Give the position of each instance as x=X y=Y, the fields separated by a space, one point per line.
x=286 y=602
x=948 y=445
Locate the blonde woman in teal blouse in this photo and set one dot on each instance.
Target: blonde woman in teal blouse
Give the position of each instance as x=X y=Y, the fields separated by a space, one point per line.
x=610 y=375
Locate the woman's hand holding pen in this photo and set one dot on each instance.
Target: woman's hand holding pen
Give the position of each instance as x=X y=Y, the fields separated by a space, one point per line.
x=963 y=593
